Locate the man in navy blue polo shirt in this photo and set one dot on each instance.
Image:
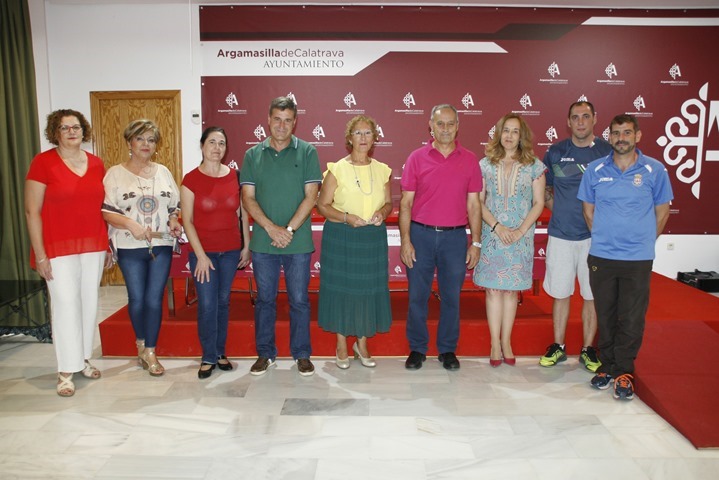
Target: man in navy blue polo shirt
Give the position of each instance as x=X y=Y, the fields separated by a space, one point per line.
x=569 y=236
x=626 y=199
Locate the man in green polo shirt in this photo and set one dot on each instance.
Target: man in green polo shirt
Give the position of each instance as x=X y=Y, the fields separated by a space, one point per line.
x=280 y=178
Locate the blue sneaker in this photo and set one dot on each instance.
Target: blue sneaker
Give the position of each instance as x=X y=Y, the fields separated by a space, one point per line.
x=623 y=387
x=602 y=381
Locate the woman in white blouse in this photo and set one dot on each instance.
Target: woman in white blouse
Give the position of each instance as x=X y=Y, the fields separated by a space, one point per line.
x=142 y=203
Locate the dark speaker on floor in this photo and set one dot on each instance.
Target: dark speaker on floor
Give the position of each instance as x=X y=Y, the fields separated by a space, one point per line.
x=706 y=281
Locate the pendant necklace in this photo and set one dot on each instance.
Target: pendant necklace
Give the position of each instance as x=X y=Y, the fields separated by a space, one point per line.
x=357 y=180
x=147 y=207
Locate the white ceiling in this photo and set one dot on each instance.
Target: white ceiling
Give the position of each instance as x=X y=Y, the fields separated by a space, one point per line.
x=613 y=4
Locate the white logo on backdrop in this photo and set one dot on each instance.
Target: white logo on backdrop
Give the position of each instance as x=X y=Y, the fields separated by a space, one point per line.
x=231 y=100
x=318 y=132
x=408 y=100
x=380 y=132
x=704 y=114
x=317 y=265
x=398 y=269
x=525 y=101
x=582 y=98
x=611 y=70
x=605 y=134
x=293 y=98
x=551 y=134
x=233 y=164
x=350 y=100
x=639 y=103
x=491 y=132
x=467 y=100
x=675 y=72
x=260 y=132
x=553 y=69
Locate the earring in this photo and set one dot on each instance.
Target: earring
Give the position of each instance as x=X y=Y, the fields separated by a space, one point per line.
x=130 y=152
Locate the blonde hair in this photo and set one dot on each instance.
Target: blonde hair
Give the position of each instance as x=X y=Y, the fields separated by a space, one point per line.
x=525 y=154
x=353 y=123
x=138 y=127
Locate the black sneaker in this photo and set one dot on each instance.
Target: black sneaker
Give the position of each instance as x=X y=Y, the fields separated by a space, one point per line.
x=449 y=360
x=602 y=381
x=414 y=361
x=262 y=365
x=623 y=387
x=555 y=354
x=305 y=367
x=589 y=359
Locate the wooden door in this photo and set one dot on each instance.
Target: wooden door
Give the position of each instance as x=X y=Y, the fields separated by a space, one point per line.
x=112 y=111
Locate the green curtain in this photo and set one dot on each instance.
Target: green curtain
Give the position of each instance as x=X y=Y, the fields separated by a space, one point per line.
x=19 y=142
x=19 y=138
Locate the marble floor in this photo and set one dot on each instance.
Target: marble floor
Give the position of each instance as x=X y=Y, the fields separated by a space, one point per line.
x=523 y=422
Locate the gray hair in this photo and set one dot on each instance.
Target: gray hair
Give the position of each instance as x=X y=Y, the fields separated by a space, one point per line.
x=440 y=107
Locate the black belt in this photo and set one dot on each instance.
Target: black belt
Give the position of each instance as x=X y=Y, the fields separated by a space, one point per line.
x=437 y=228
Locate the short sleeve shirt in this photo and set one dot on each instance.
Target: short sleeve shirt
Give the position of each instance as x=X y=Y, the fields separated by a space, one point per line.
x=625 y=223
x=566 y=164
x=279 y=179
x=214 y=210
x=148 y=201
x=441 y=185
x=71 y=211
x=360 y=189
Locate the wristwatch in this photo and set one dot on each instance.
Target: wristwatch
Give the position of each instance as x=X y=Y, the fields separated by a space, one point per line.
x=477 y=244
x=290 y=229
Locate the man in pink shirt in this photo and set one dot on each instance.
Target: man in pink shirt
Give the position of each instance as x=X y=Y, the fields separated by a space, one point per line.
x=440 y=197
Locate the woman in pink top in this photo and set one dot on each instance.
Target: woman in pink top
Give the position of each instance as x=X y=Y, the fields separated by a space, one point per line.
x=63 y=197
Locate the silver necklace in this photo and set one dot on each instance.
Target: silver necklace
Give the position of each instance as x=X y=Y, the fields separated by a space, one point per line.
x=147 y=205
x=357 y=180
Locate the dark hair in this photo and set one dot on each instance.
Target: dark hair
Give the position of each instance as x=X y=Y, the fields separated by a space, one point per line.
x=525 y=154
x=283 y=103
x=138 y=127
x=577 y=104
x=54 y=121
x=210 y=130
x=624 y=118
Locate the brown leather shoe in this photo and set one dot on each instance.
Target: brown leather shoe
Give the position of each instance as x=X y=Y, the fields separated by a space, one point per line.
x=305 y=367
x=262 y=365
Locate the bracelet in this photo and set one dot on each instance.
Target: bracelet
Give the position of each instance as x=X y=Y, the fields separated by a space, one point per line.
x=345 y=218
x=41 y=260
x=494 y=226
x=477 y=244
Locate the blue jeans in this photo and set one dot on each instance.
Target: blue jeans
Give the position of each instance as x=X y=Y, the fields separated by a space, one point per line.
x=266 y=268
x=213 y=302
x=446 y=251
x=145 y=280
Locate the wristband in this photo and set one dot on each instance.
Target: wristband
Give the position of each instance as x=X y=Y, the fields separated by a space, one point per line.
x=40 y=261
x=477 y=244
x=345 y=221
x=494 y=226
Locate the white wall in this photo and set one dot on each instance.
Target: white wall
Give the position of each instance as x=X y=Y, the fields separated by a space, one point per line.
x=82 y=47
x=86 y=47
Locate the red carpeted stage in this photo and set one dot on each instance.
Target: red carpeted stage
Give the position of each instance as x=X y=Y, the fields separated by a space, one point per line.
x=674 y=369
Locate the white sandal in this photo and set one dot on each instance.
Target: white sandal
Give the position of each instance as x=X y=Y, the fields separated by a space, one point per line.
x=90 y=371
x=65 y=387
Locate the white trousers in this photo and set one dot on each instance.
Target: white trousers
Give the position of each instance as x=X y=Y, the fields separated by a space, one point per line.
x=74 y=292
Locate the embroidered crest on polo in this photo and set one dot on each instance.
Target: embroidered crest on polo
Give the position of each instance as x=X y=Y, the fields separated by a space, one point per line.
x=637 y=182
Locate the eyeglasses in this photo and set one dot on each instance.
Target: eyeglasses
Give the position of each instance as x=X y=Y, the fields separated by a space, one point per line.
x=67 y=128
x=359 y=133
